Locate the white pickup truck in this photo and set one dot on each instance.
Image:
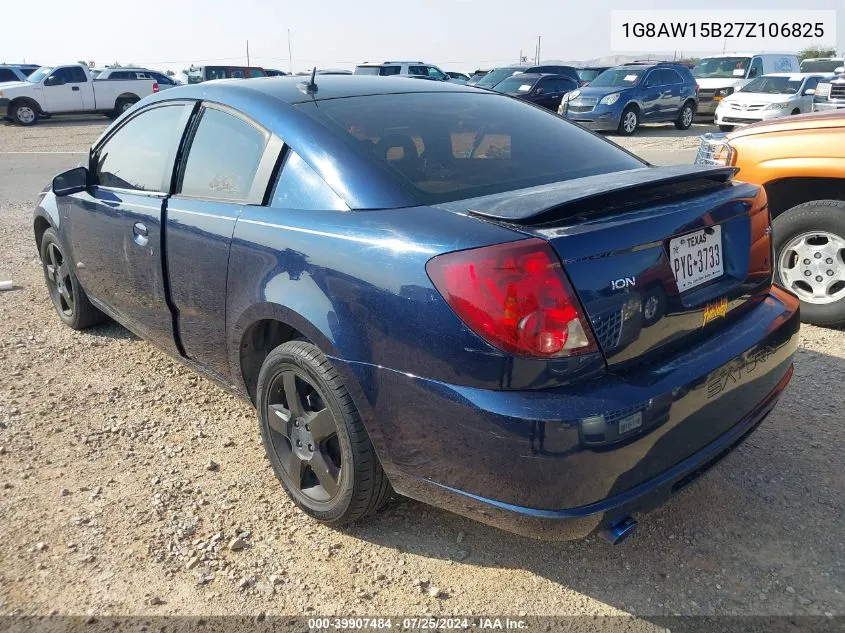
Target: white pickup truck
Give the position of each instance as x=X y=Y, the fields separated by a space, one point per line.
x=69 y=90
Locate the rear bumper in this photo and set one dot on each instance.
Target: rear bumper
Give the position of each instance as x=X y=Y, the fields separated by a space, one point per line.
x=557 y=463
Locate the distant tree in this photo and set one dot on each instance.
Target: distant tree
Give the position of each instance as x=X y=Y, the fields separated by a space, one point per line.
x=116 y=65
x=816 y=51
x=81 y=62
x=170 y=73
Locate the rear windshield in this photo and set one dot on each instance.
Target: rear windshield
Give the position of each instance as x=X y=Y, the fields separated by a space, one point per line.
x=451 y=146
x=588 y=74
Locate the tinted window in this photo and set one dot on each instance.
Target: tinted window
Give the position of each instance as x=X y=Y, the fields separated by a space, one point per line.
x=140 y=154
x=516 y=84
x=562 y=84
x=300 y=187
x=6 y=74
x=618 y=78
x=467 y=144
x=162 y=79
x=236 y=73
x=223 y=158
x=811 y=84
x=27 y=71
x=670 y=77
x=386 y=71
x=70 y=75
x=721 y=67
x=756 y=68
x=256 y=72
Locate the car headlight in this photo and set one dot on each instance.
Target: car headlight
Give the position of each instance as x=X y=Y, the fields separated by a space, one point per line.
x=778 y=106
x=721 y=93
x=610 y=99
x=714 y=149
x=571 y=95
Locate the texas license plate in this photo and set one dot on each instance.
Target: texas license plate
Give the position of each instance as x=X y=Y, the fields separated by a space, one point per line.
x=697 y=257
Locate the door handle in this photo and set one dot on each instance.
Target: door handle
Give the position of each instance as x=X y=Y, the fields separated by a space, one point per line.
x=75 y=88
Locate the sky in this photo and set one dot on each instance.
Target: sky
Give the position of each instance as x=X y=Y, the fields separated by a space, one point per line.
x=453 y=34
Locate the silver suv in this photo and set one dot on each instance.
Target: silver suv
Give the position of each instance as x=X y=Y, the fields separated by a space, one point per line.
x=409 y=69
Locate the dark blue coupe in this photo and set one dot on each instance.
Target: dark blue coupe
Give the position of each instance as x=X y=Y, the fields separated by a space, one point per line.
x=433 y=289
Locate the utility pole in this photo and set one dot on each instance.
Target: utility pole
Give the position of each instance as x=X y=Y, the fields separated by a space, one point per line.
x=247 y=52
x=290 y=58
x=539 y=37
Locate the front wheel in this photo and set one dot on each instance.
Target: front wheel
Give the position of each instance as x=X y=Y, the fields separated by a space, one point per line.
x=25 y=113
x=685 y=116
x=314 y=437
x=726 y=128
x=809 y=243
x=629 y=122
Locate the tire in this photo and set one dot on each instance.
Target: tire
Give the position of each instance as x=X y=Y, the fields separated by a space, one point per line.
x=24 y=112
x=69 y=299
x=328 y=467
x=795 y=111
x=726 y=128
x=121 y=106
x=629 y=121
x=814 y=232
x=685 y=116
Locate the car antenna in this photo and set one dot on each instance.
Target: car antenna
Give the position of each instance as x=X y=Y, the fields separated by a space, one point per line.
x=310 y=86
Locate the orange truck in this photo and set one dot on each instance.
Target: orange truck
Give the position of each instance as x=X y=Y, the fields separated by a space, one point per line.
x=800 y=161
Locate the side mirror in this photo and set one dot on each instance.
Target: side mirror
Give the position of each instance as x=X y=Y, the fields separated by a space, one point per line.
x=53 y=81
x=71 y=181
x=810 y=91
x=539 y=91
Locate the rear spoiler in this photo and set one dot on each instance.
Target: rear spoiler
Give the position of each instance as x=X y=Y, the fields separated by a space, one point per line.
x=535 y=204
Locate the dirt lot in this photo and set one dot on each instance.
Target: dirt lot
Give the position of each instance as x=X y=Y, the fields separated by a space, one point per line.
x=128 y=485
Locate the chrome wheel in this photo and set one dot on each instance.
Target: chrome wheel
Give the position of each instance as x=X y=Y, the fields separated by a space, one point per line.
x=304 y=436
x=812 y=266
x=126 y=105
x=686 y=117
x=59 y=283
x=25 y=114
x=629 y=122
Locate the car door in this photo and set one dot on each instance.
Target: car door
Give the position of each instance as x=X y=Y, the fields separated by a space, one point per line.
x=227 y=166
x=563 y=85
x=651 y=94
x=805 y=100
x=114 y=227
x=671 y=97
x=63 y=89
x=543 y=93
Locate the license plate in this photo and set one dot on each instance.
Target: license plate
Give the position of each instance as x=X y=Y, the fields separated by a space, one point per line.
x=697 y=257
x=630 y=423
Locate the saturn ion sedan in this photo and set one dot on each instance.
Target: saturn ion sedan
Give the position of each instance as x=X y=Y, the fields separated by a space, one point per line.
x=432 y=289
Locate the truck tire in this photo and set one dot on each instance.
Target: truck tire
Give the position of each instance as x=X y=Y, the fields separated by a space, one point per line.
x=809 y=244
x=314 y=437
x=685 y=116
x=24 y=112
x=69 y=299
x=121 y=106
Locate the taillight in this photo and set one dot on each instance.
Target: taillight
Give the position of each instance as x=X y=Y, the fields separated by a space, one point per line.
x=155 y=86
x=516 y=297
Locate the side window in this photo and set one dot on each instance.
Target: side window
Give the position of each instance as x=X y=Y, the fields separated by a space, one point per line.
x=437 y=74
x=140 y=155
x=756 y=69
x=223 y=158
x=652 y=79
x=300 y=187
x=670 y=77
x=417 y=70
x=811 y=84
x=7 y=74
x=386 y=71
x=77 y=75
x=546 y=85
x=256 y=72
x=236 y=73
x=565 y=85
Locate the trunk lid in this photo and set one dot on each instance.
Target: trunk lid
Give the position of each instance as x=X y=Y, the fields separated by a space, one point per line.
x=616 y=235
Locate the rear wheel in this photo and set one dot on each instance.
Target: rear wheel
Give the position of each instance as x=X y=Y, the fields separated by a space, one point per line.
x=314 y=437
x=685 y=117
x=69 y=299
x=809 y=242
x=726 y=128
x=24 y=112
x=629 y=122
x=121 y=106
x=795 y=111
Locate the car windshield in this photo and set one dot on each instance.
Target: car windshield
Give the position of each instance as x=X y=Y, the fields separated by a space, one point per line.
x=367 y=70
x=41 y=73
x=498 y=74
x=445 y=147
x=618 y=78
x=721 y=67
x=516 y=83
x=588 y=74
x=773 y=85
x=820 y=65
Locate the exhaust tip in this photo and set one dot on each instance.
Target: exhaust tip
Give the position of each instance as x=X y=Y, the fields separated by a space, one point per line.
x=620 y=530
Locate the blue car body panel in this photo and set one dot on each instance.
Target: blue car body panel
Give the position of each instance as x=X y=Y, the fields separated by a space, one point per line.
x=533 y=445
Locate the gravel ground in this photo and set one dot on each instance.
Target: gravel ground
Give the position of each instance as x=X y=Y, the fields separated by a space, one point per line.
x=129 y=485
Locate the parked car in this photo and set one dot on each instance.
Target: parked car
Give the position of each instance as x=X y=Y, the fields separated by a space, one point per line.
x=16 y=72
x=830 y=94
x=396 y=273
x=198 y=74
x=413 y=69
x=458 y=77
x=623 y=97
x=123 y=74
x=69 y=90
x=768 y=97
x=798 y=160
x=497 y=75
x=721 y=75
x=543 y=90
x=476 y=76
x=588 y=73
x=821 y=64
